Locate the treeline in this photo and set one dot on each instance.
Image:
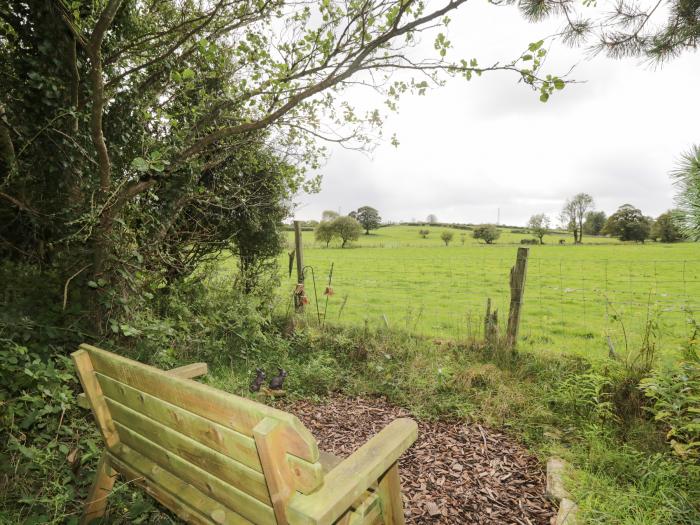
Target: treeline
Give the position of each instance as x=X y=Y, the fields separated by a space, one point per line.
x=628 y=223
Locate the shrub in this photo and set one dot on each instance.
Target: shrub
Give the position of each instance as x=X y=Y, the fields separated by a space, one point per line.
x=324 y=232
x=666 y=227
x=47 y=443
x=487 y=233
x=423 y=233
x=628 y=224
x=675 y=395
x=446 y=237
x=347 y=228
x=529 y=241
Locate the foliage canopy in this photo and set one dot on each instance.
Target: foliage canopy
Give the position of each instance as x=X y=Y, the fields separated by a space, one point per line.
x=628 y=224
x=139 y=138
x=487 y=233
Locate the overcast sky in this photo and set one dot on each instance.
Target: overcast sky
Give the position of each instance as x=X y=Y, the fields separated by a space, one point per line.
x=470 y=148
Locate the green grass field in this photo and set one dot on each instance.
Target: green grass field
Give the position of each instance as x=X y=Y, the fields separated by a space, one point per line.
x=576 y=296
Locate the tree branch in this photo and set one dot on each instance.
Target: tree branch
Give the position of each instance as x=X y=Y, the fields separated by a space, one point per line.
x=334 y=78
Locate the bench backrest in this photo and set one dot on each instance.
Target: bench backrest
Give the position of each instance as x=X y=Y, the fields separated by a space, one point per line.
x=192 y=442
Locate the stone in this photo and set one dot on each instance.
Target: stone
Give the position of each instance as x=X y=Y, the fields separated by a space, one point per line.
x=567 y=512
x=556 y=467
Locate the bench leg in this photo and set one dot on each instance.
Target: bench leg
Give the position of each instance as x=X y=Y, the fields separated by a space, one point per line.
x=389 y=492
x=97 y=497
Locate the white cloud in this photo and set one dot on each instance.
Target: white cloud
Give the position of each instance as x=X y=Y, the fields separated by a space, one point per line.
x=469 y=149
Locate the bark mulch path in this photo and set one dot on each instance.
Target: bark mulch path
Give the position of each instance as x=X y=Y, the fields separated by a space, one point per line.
x=455 y=473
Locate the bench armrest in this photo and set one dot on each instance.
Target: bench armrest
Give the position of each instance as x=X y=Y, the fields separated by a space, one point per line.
x=344 y=484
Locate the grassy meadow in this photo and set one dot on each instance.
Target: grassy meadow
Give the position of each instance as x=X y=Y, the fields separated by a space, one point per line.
x=576 y=295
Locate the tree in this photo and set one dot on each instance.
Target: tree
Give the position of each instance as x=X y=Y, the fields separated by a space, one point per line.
x=369 y=218
x=594 y=222
x=628 y=224
x=125 y=124
x=250 y=228
x=325 y=232
x=329 y=215
x=666 y=227
x=539 y=226
x=487 y=233
x=432 y=219
x=347 y=228
x=446 y=237
x=423 y=233
x=686 y=177
x=632 y=29
x=574 y=212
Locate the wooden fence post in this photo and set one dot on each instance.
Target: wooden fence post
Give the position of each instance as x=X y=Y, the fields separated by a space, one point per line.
x=491 y=325
x=299 y=250
x=517 y=291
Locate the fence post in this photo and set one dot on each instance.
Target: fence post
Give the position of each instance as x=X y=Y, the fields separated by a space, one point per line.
x=487 y=318
x=517 y=291
x=299 y=250
x=491 y=325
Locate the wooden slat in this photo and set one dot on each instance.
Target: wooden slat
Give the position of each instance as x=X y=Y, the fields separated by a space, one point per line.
x=345 y=483
x=368 y=512
x=389 y=492
x=228 y=410
x=269 y=438
x=213 y=435
x=184 y=372
x=96 y=501
x=190 y=504
x=308 y=476
x=93 y=391
x=189 y=371
x=233 y=498
x=232 y=472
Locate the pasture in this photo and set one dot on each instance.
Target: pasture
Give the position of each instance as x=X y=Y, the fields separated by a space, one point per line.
x=576 y=295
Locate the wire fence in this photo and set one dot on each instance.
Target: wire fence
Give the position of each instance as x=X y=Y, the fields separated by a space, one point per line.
x=570 y=303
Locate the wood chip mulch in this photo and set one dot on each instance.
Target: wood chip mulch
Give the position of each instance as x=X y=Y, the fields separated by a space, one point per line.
x=454 y=473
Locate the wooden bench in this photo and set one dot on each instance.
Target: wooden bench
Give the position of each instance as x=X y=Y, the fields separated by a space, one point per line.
x=213 y=457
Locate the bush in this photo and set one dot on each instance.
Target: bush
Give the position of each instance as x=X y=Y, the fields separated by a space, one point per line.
x=529 y=241
x=47 y=443
x=447 y=237
x=486 y=232
x=324 y=232
x=667 y=227
x=347 y=228
x=675 y=395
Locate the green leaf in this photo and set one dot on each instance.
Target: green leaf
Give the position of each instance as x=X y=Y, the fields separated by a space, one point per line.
x=92 y=284
x=535 y=45
x=188 y=74
x=544 y=97
x=139 y=164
